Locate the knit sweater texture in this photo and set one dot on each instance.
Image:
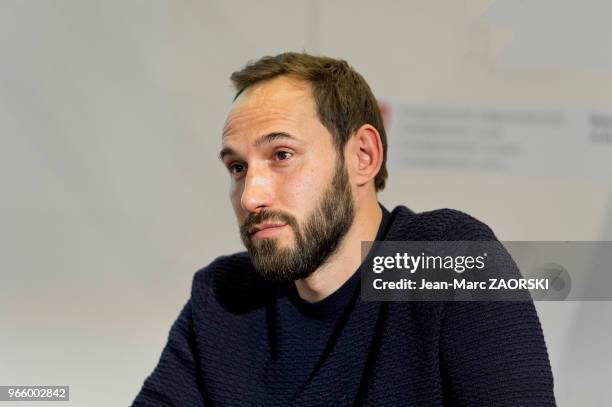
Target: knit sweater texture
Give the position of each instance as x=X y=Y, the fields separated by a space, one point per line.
x=243 y=341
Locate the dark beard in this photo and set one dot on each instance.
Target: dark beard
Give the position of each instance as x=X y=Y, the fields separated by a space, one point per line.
x=315 y=242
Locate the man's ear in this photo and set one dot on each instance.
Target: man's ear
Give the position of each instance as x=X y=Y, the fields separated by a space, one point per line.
x=365 y=154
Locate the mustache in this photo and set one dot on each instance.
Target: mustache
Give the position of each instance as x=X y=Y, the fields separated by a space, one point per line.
x=255 y=218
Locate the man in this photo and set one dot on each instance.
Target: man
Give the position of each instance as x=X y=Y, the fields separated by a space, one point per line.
x=283 y=324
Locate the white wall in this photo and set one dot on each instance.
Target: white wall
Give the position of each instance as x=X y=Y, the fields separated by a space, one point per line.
x=112 y=196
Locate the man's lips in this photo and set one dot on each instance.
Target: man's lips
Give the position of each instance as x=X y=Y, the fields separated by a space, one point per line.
x=266 y=229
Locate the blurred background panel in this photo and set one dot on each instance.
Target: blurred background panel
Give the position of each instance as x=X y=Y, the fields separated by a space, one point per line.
x=112 y=195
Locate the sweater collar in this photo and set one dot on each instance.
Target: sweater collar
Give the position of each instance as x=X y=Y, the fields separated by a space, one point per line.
x=334 y=303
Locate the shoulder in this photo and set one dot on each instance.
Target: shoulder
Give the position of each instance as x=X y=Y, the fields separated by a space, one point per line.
x=221 y=266
x=439 y=224
x=231 y=281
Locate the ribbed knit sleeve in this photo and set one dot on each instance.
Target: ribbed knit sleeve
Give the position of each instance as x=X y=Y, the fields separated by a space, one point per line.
x=174 y=380
x=492 y=353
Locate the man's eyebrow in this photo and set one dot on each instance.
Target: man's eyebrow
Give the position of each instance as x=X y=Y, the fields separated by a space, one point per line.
x=225 y=151
x=268 y=138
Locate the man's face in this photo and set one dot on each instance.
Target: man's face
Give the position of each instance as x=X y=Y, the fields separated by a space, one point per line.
x=289 y=187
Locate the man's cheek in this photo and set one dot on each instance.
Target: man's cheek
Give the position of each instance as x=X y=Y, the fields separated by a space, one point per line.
x=241 y=214
x=235 y=195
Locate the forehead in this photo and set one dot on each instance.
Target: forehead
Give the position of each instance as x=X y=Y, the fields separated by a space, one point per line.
x=281 y=101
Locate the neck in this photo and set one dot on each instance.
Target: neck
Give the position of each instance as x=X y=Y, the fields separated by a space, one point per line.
x=347 y=258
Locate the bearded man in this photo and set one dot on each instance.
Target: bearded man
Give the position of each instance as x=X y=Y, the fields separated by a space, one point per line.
x=283 y=323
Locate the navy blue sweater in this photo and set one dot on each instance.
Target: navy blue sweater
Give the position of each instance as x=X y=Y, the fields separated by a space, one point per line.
x=242 y=341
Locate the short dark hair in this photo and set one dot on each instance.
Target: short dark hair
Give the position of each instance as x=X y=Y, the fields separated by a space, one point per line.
x=343 y=98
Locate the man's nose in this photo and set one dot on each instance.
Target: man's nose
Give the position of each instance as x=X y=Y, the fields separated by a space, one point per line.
x=257 y=193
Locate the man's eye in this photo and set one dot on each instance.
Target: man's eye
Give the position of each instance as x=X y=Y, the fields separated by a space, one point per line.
x=282 y=155
x=235 y=168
